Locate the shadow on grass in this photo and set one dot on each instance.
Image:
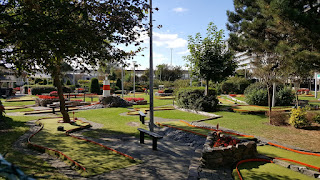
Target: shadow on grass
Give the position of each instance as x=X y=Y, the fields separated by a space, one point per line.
x=8 y=123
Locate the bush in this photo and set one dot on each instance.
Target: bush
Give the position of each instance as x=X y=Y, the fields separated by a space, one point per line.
x=257 y=94
x=68 y=82
x=193 y=98
x=298 y=118
x=94 y=86
x=278 y=118
x=235 y=85
x=316 y=118
x=168 y=91
x=284 y=97
x=1 y=110
x=227 y=87
x=37 y=90
x=118 y=83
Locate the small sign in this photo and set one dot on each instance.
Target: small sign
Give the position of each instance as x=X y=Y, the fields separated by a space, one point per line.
x=318 y=76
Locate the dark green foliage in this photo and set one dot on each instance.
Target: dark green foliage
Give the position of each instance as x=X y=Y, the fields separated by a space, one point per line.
x=38 y=90
x=94 y=86
x=168 y=91
x=1 y=111
x=228 y=88
x=68 y=82
x=239 y=84
x=194 y=98
x=165 y=72
x=284 y=97
x=257 y=94
x=45 y=82
x=119 y=83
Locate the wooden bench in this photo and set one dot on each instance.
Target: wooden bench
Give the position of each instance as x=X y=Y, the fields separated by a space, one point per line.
x=53 y=106
x=154 y=136
x=142 y=116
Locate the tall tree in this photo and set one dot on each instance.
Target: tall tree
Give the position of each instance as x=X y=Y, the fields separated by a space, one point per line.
x=210 y=58
x=39 y=35
x=271 y=32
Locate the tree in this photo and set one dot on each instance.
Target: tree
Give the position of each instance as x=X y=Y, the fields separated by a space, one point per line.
x=94 y=86
x=41 y=35
x=168 y=73
x=210 y=59
x=270 y=32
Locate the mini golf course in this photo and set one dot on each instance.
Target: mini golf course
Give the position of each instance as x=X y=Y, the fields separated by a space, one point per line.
x=87 y=157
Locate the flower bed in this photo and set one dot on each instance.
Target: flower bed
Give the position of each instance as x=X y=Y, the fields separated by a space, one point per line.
x=224 y=151
x=134 y=99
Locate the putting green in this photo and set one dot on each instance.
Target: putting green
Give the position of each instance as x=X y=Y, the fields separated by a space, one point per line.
x=282 y=153
x=94 y=158
x=267 y=171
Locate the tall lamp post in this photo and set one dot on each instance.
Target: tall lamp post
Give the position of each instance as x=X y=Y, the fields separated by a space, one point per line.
x=122 y=80
x=151 y=123
x=134 y=78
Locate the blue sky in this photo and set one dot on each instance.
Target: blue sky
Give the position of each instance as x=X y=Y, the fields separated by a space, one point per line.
x=179 y=19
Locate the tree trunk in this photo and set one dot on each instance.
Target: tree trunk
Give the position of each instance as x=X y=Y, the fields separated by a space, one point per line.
x=269 y=102
x=57 y=83
x=206 y=92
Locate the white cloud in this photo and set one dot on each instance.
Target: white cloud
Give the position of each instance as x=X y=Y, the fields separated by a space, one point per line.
x=183 y=52
x=179 y=9
x=165 y=40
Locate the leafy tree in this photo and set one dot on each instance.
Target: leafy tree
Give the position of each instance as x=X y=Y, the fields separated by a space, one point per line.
x=274 y=34
x=210 y=59
x=41 y=35
x=119 y=83
x=168 y=73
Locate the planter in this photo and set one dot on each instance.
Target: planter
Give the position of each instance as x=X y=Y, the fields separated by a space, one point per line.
x=217 y=157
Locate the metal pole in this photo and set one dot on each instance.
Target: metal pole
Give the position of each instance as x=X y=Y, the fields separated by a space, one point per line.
x=134 y=78
x=274 y=95
x=151 y=123
x=122 y=81
x=171 y=56
x=315 y=85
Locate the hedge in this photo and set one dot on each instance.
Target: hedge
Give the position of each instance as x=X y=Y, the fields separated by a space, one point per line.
x=44 y=89
x=194 y=98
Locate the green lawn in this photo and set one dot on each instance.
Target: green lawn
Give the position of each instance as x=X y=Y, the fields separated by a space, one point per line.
x=258 y=125
x=282 y=153
x=241 y=98
x=19 y=110
x=22 y=103
x=113 y=122
x=176 y=114
x=29 y=164
x=95 y=159
x=267 y=171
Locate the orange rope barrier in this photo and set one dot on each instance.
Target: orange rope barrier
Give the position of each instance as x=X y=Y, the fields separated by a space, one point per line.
x=250 y=160
x=289 y=149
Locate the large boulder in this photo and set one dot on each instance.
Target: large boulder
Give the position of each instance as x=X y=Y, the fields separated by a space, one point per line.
x=114 y=101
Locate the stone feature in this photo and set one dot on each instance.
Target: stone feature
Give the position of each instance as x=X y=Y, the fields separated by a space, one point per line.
x=113 y=101
x=217 y=157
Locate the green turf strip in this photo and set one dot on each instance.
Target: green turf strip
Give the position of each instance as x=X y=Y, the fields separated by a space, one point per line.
x=95 y=159
x=282 y=153
x=267 y=171
x=29 y=164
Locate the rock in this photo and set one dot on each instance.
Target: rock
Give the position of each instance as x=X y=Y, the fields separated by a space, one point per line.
x=113 y=101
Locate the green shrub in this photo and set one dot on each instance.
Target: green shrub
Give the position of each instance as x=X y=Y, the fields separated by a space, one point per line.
x=257 y=94
x=94 y=86
x=193 y=98
x=298 y=118
x=68 y=82
x=235 y=85
x=1 y=110
x=228 y=87
x=44 y=89
x=168 y=90
x=284 y=97
x=257 y=97
x=316 y=118
x=119 y=83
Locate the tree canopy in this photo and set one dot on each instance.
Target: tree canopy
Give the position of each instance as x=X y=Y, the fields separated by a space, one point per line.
x=166 y=72
x=210 y=57
x=39 y=35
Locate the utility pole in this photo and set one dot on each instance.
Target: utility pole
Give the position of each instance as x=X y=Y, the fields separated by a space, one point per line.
x=151 y=123
x=122 y=80
x=171 y=57
x=315 y=85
